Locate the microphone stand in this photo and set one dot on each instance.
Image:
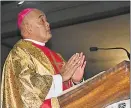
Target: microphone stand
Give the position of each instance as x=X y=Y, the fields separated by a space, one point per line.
x=96 y=48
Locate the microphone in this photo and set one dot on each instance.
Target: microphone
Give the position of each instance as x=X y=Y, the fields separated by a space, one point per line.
x=96 y=49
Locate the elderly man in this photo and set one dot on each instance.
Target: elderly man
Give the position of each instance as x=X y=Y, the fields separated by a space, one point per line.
x=34 y=75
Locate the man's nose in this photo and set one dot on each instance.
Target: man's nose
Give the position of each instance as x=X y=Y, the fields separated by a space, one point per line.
x=47 y=24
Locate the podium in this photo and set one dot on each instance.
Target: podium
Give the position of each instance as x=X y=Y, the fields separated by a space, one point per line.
x=99 y=91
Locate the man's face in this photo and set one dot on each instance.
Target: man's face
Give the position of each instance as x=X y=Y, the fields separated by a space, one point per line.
x=40 y=27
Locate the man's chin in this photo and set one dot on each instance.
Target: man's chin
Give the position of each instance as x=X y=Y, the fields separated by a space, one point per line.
x=50 y=36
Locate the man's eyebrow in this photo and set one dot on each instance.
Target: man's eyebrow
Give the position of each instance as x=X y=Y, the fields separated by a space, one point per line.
x=40 y=16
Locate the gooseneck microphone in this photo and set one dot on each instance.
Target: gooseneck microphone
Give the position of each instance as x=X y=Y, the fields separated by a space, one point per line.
x=96 y=49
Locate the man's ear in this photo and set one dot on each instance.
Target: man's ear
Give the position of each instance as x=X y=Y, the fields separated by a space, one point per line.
x=28 y=28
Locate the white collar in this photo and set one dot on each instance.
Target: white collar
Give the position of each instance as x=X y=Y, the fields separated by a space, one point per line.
x=36 y=42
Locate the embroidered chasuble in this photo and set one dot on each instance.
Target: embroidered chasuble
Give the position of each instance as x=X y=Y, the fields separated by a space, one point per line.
x=27 y=76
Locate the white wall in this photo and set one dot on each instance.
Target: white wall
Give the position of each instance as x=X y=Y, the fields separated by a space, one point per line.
x=110 y=32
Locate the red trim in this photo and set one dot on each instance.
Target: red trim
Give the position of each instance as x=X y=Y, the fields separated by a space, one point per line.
x=46 y=104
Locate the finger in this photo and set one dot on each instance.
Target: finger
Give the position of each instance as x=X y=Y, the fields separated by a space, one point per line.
x=84 y=65
x=73 y=65
x=69 y=61
x=64 y=64
x=81 y=72
x=73 y=57
x=76 y=66
x=82 y=60
x=81 y=54
x=74 y=60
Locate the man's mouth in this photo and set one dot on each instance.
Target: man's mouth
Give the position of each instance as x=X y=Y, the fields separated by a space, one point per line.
x=48 y=31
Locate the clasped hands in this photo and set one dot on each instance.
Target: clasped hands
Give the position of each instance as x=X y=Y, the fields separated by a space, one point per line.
x=74 y=68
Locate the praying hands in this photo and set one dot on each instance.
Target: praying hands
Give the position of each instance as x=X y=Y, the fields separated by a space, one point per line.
x=74 y=68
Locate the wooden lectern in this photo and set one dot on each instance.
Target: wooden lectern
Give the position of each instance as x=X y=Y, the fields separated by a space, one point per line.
x=103 y=89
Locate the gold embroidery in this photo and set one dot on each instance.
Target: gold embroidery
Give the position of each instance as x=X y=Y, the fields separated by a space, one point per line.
x=44 y=85
x=23 y=84
x=36 y=53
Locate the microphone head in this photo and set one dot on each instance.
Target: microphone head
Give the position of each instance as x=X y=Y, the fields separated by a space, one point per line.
x=93 y=48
